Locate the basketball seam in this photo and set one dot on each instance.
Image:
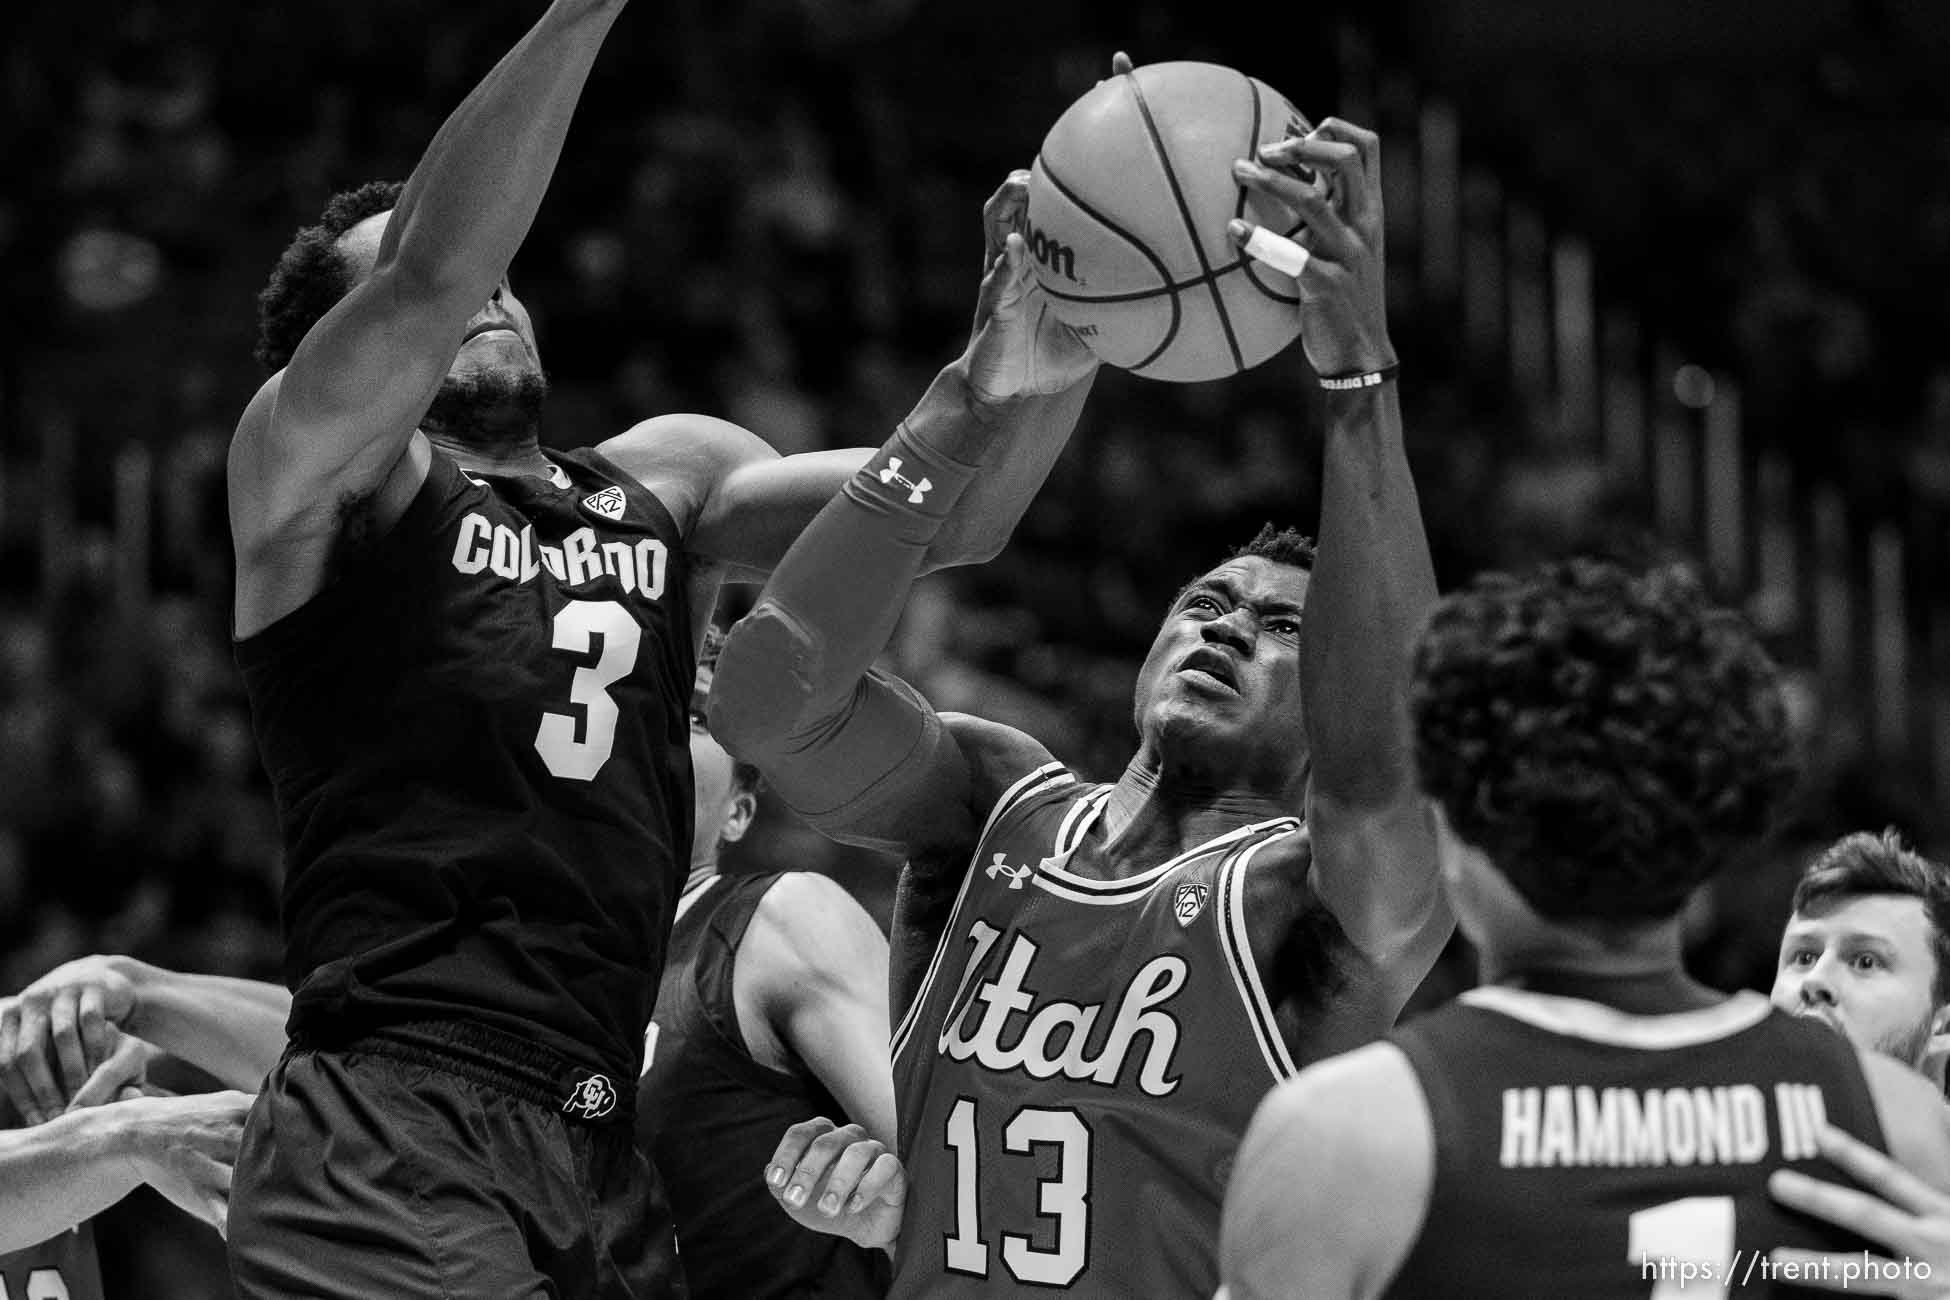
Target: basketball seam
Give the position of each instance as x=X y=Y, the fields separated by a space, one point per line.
x=1185 y=211
x=1252 y=151
x=1172 y=286
x=1157 y=264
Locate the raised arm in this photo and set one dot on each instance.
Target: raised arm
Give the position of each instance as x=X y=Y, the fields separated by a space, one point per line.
x=1374 y=848
x=748 y=503
x=859 y=753
x=332 y=429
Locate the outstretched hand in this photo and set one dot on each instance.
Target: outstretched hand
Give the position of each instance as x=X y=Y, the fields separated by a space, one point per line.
x=1019 y=348
x=1903 y=1213
x=837 y=1180
x=1343 y=282
x=187 y=1147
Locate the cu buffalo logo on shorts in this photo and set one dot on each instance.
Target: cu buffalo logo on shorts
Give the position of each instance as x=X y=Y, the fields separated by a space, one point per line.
x=593 y=1098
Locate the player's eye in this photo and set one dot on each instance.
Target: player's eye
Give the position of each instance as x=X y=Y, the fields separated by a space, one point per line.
x=1802 y=958
x=1866 y=961
x=1203 y=601
x=1284 y=626
x=698 y=721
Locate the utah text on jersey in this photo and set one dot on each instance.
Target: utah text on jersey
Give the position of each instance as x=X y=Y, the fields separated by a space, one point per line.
x=1005 y=1000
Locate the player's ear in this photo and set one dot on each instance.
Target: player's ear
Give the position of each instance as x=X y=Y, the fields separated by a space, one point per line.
x=744 y=807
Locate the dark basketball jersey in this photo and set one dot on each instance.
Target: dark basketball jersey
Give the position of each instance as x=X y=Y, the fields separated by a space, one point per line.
x=1581 y=1151
x=479 y=741
x=1080 y=1063
x=60 y=1268
x=709 y=1117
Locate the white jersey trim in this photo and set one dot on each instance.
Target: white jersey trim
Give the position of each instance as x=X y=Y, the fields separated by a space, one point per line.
x=905 y=1029
x=1597 y=1023
x=687 y=899
x=1052 y=876
x=1233 y=941
x=1047 y=777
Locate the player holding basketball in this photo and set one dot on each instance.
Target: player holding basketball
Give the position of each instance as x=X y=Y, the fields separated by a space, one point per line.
x=1595 y=744
x=469 y=662
x=1099 y=982
x=773 y=1009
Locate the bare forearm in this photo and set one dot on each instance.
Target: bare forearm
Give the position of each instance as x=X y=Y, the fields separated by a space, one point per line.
x=470 y=201
x=1372 y=585
x=1031 y=435
x=60 y=1173
x=233 y=1028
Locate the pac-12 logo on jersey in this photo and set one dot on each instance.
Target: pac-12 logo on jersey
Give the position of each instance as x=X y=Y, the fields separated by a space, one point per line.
x=1188 y=900
x=608 y=503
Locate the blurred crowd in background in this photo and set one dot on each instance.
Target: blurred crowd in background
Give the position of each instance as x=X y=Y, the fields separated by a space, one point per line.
x=770 y=212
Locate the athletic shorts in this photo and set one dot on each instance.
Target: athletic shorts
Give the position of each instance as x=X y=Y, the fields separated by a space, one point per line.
x=445 y=1160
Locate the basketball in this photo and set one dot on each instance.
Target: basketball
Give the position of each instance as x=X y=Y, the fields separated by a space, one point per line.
x=1128 y=204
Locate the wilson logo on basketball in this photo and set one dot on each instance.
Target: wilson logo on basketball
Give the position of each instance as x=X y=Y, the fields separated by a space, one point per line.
x=1058 y=257
x=593 y=1098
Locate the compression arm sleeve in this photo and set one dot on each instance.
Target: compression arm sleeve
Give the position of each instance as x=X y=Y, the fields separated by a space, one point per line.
x=794 y=691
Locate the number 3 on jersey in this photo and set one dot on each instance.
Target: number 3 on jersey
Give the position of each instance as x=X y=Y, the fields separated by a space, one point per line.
x=42 y=1284
x=577 y=624
x=1062 y=1199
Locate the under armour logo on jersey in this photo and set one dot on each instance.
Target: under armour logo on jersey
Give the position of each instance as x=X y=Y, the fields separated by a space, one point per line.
x=1016 y=875
x=608 y=503
x=1188 y=900
x=593 y=1098
x=915 y=491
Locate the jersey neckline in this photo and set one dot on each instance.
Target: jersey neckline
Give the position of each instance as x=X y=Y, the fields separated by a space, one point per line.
x=1595 y=1022
x=1084 y=814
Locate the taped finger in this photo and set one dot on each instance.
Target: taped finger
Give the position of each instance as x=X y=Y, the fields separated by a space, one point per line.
x=1276 y=251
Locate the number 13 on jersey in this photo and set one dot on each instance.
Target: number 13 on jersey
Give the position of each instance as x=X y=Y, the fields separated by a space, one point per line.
x=1062 y=1202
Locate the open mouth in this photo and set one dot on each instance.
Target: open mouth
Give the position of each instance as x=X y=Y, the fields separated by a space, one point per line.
x=1213 y=664
x=491 y=327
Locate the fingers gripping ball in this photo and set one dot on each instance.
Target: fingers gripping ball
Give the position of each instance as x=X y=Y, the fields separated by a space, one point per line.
x=1128 y=204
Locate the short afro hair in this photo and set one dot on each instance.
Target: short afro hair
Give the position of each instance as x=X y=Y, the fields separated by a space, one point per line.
x=1867 y=863
x=311 y=274
x=1608 y=738
x=1287 y=546
x=1280 y=545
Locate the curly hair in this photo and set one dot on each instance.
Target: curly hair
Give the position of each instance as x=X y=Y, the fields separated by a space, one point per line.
x=1280 y=545
x=1868 y=863
x=1607 y=738
x=311 y=274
